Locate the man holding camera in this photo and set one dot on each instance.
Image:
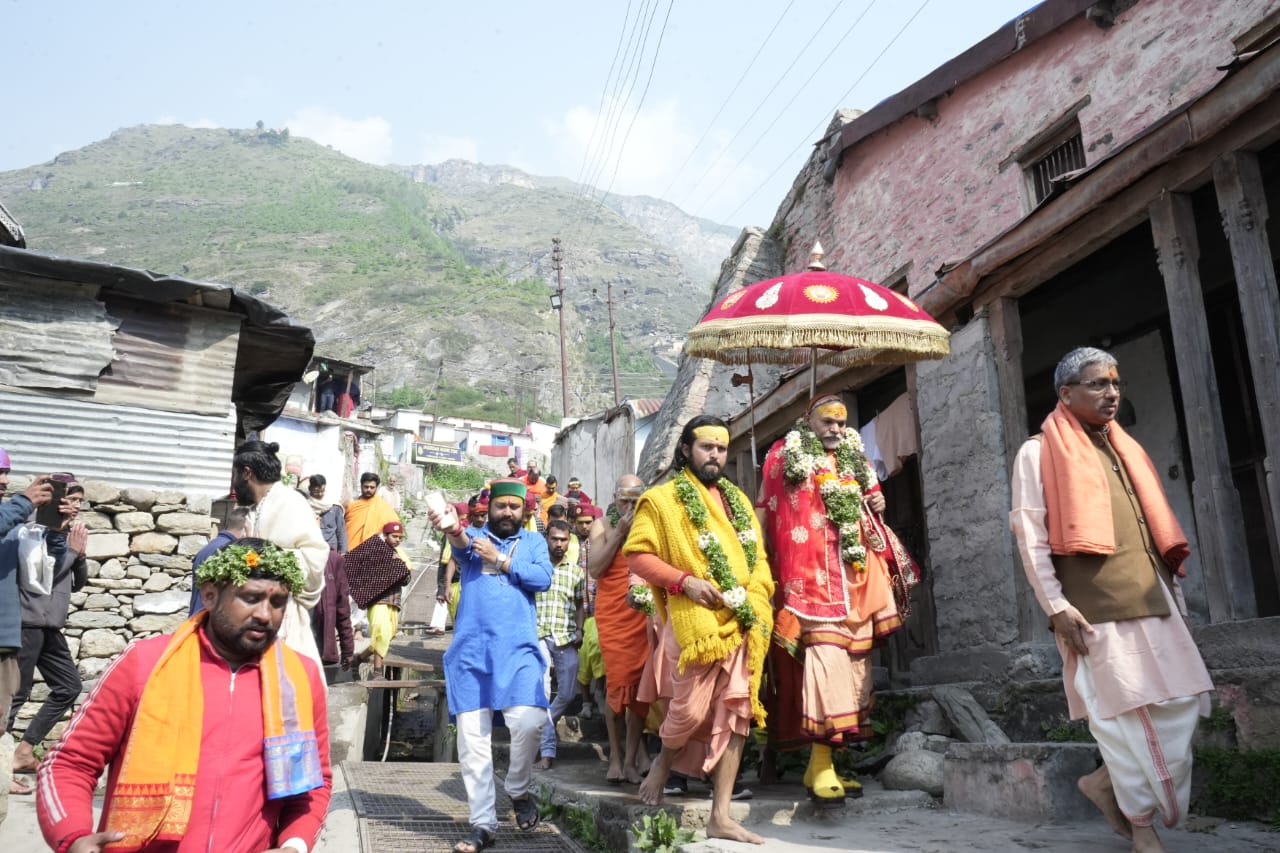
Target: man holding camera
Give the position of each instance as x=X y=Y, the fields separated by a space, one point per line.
x=44 y=616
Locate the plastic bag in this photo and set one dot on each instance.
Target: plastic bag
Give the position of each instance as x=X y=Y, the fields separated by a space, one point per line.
x=35 y=566
x=439 y=616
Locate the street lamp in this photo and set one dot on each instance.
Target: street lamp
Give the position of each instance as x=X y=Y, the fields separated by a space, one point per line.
x=557 y=301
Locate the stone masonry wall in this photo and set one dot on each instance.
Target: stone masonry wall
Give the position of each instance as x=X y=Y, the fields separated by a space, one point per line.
x=141 y=544
x=966 y=494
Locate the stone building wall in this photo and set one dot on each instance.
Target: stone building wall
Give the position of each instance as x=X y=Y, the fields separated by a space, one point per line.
x=141 y=544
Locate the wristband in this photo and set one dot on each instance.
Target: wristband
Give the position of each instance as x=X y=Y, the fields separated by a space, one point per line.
x=677 y=588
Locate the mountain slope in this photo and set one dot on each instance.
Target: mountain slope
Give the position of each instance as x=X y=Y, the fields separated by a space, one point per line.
x=386 y=271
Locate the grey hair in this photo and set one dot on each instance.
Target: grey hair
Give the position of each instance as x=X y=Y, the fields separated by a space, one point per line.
x=1074 y=363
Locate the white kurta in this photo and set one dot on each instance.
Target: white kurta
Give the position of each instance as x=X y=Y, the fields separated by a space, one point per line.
x=1143 y=684
x=1134 y=662
x=284 y=518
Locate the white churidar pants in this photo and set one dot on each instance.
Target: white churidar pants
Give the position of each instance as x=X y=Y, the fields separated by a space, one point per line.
x=1146 y=750
x=475 y=752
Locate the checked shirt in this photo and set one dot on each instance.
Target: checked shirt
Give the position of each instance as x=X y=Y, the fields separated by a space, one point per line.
x=558 y=604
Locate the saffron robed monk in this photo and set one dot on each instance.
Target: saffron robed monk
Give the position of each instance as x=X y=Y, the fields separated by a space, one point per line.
x=1103 y=552
x=213 y=738
x=622 y=631
x=368 y=514
x=698 y=544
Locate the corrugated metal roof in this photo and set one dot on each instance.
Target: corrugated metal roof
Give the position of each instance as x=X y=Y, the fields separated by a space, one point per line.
x=123 y=445
x=273 y=351
x=172 y=357
x=57 y=336
x=646 y=407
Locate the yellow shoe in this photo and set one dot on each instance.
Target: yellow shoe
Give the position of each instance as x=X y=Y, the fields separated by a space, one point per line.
x=852 y=787
x=821 y=777
x=826 y=785
x=819 y=756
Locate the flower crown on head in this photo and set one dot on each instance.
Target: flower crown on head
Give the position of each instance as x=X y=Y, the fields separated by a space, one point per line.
x=235 y=563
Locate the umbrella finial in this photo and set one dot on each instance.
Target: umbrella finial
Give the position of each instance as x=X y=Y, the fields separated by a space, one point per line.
x=815 y=257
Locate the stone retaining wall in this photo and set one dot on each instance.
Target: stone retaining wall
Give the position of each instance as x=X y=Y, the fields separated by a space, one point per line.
x=141 y=544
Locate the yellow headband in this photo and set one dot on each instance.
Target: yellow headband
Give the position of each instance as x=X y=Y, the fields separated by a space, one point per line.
x=832 y=410
x=712 y=433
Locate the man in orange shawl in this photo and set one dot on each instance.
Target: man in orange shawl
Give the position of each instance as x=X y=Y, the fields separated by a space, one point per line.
x=819 y=498
x=623 y=631
x=1103 y=551
x=214 y=737
x=369 y=513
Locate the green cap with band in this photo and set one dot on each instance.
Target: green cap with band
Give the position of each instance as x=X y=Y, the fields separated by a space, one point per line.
x=507 y=488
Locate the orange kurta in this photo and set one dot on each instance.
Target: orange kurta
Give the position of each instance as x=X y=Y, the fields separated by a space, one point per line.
x=366 y=517
x=624 y=637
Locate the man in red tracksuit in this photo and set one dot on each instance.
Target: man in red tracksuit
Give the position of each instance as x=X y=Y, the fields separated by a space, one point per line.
x=244 y=799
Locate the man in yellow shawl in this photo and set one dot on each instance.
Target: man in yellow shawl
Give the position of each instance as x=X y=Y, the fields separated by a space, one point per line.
x=369 y=513
x=696 y=541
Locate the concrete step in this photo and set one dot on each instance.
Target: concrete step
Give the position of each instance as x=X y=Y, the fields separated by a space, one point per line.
x=1021 y=781
x=617 y=807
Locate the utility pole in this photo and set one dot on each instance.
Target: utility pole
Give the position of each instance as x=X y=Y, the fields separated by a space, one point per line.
x=435 y=415
x=557 y=302
x=613 y=347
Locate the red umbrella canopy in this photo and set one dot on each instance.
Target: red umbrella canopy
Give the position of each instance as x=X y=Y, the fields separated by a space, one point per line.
x=850 y=320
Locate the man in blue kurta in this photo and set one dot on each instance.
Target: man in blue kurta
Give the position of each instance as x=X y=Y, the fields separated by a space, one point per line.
x=494 y=662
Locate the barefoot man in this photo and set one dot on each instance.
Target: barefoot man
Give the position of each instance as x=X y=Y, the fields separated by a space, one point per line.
x=623 y=632
x=1103 y=552
x=696 y=541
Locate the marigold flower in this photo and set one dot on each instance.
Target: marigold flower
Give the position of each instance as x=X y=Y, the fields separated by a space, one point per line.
x=252 y=559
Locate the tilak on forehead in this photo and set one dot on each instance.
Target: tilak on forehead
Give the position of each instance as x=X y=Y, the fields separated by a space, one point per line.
x=711 y=432
x=828 y=406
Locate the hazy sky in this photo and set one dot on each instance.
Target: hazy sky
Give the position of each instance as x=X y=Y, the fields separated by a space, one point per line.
x=527 y=84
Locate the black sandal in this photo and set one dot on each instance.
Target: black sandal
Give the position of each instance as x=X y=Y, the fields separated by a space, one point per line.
x=479 y=839
x=527 y=816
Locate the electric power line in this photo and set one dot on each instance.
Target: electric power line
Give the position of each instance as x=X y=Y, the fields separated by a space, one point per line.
x=629 y=61
x=763 y=101
x=711 y=124
x=782 y=112
x=582 y=170
x=839 y=101
x=636 y=115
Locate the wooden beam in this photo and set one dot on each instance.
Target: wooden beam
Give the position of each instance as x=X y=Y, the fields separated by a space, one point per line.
x=1006 y=338
x=1113 y=215
x=1229 y=583
x=1243 y=203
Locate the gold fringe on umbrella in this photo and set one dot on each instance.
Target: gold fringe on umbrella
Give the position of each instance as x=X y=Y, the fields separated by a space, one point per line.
x=845 y=341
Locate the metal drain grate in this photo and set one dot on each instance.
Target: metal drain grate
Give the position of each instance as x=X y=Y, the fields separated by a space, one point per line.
x=429 y=836
x=400 y=791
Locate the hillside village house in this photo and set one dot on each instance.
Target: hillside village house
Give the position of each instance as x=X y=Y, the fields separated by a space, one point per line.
x=315 y=439
x=600 y=448
x=136 y=378
x=466 y=441
x=1090 y=174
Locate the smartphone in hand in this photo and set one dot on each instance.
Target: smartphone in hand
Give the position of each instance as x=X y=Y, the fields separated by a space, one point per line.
x=49 y=515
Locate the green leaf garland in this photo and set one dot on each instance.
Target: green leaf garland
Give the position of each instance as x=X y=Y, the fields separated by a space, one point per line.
x=735 y=595
x=803 y=456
